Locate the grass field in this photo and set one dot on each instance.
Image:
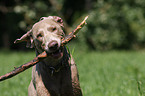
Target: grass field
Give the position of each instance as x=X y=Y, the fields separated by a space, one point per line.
x=113 y=73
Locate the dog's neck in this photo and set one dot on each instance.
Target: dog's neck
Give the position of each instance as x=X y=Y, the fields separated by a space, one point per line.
x=52 y=66
x=50 y=62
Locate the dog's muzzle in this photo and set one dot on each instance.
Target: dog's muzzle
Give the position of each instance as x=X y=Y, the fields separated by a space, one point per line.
x=53 y=46
x=55 y=50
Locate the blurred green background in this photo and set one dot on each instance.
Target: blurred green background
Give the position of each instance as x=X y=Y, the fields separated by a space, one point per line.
x=109 y=50
x=112 y=24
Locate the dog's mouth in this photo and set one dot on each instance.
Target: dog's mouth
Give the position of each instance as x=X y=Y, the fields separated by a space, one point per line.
x=57 y=54
x=53 y=49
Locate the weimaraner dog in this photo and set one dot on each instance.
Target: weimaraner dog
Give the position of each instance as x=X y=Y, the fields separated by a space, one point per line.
x=56 y=75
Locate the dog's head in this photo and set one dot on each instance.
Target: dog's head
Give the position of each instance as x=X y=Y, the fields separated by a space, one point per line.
x=46 y=35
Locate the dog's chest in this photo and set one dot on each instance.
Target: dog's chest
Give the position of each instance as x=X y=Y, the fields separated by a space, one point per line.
x=44 y=80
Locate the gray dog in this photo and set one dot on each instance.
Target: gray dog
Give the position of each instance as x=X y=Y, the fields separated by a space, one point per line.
x=56 y=75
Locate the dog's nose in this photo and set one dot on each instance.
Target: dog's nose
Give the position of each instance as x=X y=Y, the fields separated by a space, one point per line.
x=53 y=45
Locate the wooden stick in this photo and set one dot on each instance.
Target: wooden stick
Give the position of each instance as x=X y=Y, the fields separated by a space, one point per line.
x=43 y=55
x=23 y=67
x=74 y=32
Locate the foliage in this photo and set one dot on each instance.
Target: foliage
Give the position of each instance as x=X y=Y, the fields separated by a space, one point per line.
x=112 y=24
x=116 y=24
x=18 y=16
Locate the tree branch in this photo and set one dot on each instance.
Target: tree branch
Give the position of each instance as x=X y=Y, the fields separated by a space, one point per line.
x=72 y=34
x=43 y=55
x=24 y=66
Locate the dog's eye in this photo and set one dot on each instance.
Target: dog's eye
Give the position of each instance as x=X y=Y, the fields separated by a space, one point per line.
x=39 y=35
x=53 y=29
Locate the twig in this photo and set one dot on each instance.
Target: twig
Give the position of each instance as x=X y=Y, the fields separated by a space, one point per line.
x=74 y=32
x=23 y=67
x=43 y=55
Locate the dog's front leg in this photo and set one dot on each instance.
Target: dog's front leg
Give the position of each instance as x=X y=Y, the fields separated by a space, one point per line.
x=31 y=90
x=37 y=87
x=75 y=78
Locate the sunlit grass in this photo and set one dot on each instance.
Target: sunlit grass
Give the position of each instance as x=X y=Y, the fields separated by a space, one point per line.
x=16 y=86
x=114 y=73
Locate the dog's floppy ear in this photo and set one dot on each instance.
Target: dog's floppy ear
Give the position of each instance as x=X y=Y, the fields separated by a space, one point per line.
x=26 y=37
x=57 y=19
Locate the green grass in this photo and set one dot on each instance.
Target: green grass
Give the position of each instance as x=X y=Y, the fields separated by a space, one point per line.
x=113 y=73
